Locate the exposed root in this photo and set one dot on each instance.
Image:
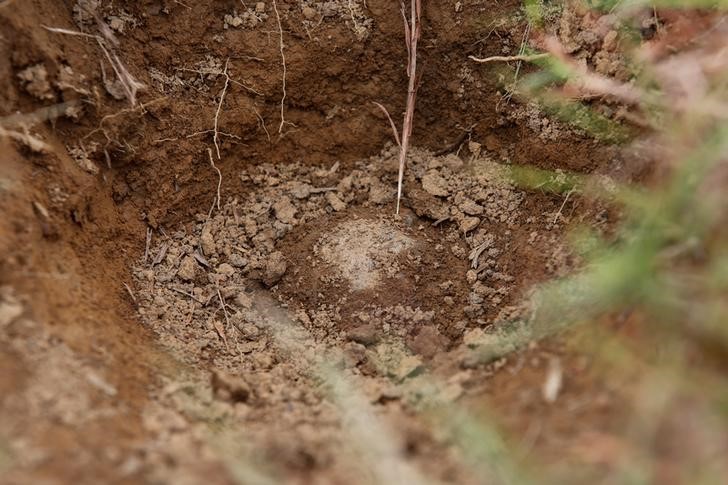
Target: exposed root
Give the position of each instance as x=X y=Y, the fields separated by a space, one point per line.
x=219 y=178
x=262 y=123
x=520 y=58
x=220 y=133
x=561 y=209
x=215 y=72
x=131 y=293
x=283 y=62
x=141 y=108
x=216 y=135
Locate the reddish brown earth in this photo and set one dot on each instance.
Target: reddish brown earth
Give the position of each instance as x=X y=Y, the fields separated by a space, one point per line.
x=86 y=377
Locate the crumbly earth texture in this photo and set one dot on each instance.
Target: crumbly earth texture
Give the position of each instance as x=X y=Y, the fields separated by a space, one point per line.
x=306 y=267
x=295 y=329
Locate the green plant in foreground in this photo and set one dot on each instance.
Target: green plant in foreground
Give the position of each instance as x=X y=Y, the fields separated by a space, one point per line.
x=665 y=264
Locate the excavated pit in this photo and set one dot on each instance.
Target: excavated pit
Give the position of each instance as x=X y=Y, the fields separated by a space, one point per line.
x=120 y=270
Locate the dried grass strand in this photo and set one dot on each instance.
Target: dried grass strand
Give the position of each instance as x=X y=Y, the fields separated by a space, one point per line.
x=412 y=31
x=130 y=85
x=391 y=123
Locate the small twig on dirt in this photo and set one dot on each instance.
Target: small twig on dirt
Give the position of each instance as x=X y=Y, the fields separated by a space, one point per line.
x=475 y=254
x=131 y=293
x=178 y=2
x=391 y=123
x=217 y=113
x=222 y=304
x=190 y=295
x=160 y=255
x=283 y=62
x=561 y=209
x=221 y=332
x=147 y=245
x=227 y=319
x=510 y=90
x=520 y=57
x=412 y=31
x=219 y=177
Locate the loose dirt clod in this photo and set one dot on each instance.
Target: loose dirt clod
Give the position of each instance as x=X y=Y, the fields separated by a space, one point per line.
x=362 y=252
x=35 y=82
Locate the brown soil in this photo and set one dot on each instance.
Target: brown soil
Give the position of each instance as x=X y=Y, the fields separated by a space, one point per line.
x=133 y=338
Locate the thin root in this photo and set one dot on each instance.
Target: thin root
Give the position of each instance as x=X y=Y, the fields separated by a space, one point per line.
x=216 y=136
x=219 y=178
x=520 y=57
x=283 y=62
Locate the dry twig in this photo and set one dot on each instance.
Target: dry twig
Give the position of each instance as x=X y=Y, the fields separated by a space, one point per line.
x=561 y=209
x=222 y=331
x=130 y=292
x=147 y=245
x=187 y=294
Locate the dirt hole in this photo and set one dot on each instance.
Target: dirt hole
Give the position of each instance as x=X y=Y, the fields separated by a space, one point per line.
x=240 y=298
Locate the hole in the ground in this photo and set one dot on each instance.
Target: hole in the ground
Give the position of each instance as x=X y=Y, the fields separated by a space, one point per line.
x=462 y=255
